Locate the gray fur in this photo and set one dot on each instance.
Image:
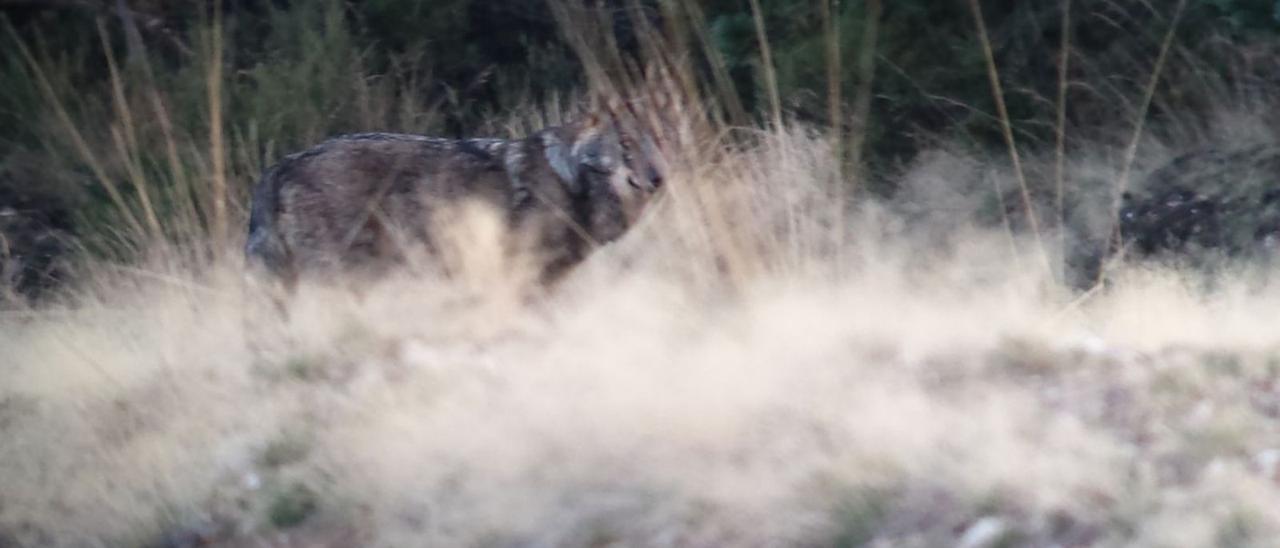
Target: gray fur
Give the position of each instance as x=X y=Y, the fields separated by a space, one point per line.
x=352 y=203
x=558 y=157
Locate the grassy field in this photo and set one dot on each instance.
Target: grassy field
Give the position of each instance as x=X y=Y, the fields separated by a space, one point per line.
x=775 y=356
x=783 y=382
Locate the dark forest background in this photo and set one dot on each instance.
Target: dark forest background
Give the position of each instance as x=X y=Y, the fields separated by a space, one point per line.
x=106 y=106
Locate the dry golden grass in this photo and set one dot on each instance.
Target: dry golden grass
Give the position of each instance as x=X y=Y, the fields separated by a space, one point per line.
x=739 y=371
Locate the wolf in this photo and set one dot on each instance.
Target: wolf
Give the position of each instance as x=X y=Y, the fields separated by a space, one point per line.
x=362 y=202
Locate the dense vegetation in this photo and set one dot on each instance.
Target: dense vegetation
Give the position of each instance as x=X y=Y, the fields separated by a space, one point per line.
x=105 y=109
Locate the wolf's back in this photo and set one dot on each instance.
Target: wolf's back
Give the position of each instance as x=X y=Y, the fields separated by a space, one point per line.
x=350 y=201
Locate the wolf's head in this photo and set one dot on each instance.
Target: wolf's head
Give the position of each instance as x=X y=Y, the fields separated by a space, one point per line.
x=617 y=161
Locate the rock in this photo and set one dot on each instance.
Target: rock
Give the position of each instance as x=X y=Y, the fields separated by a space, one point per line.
x=1204 y=203
x=35 y=242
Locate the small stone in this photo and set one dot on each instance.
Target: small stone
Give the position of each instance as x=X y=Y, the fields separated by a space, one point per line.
x=1268 y=464
x=251 y=481
x=983 y=533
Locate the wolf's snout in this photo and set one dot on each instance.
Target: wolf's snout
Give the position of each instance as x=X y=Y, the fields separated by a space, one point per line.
x=655 y=178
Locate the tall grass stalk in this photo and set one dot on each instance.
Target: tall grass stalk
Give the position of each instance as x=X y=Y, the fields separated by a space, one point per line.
x=126 y=146
x=831 y=41
x=77 y=138
x=1006 y=128
x=1131 y=150
x=864 y=94
x=217 y=149
x=581 y=30
x=696 y=23
x=1060 y=136
x=766 y=65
